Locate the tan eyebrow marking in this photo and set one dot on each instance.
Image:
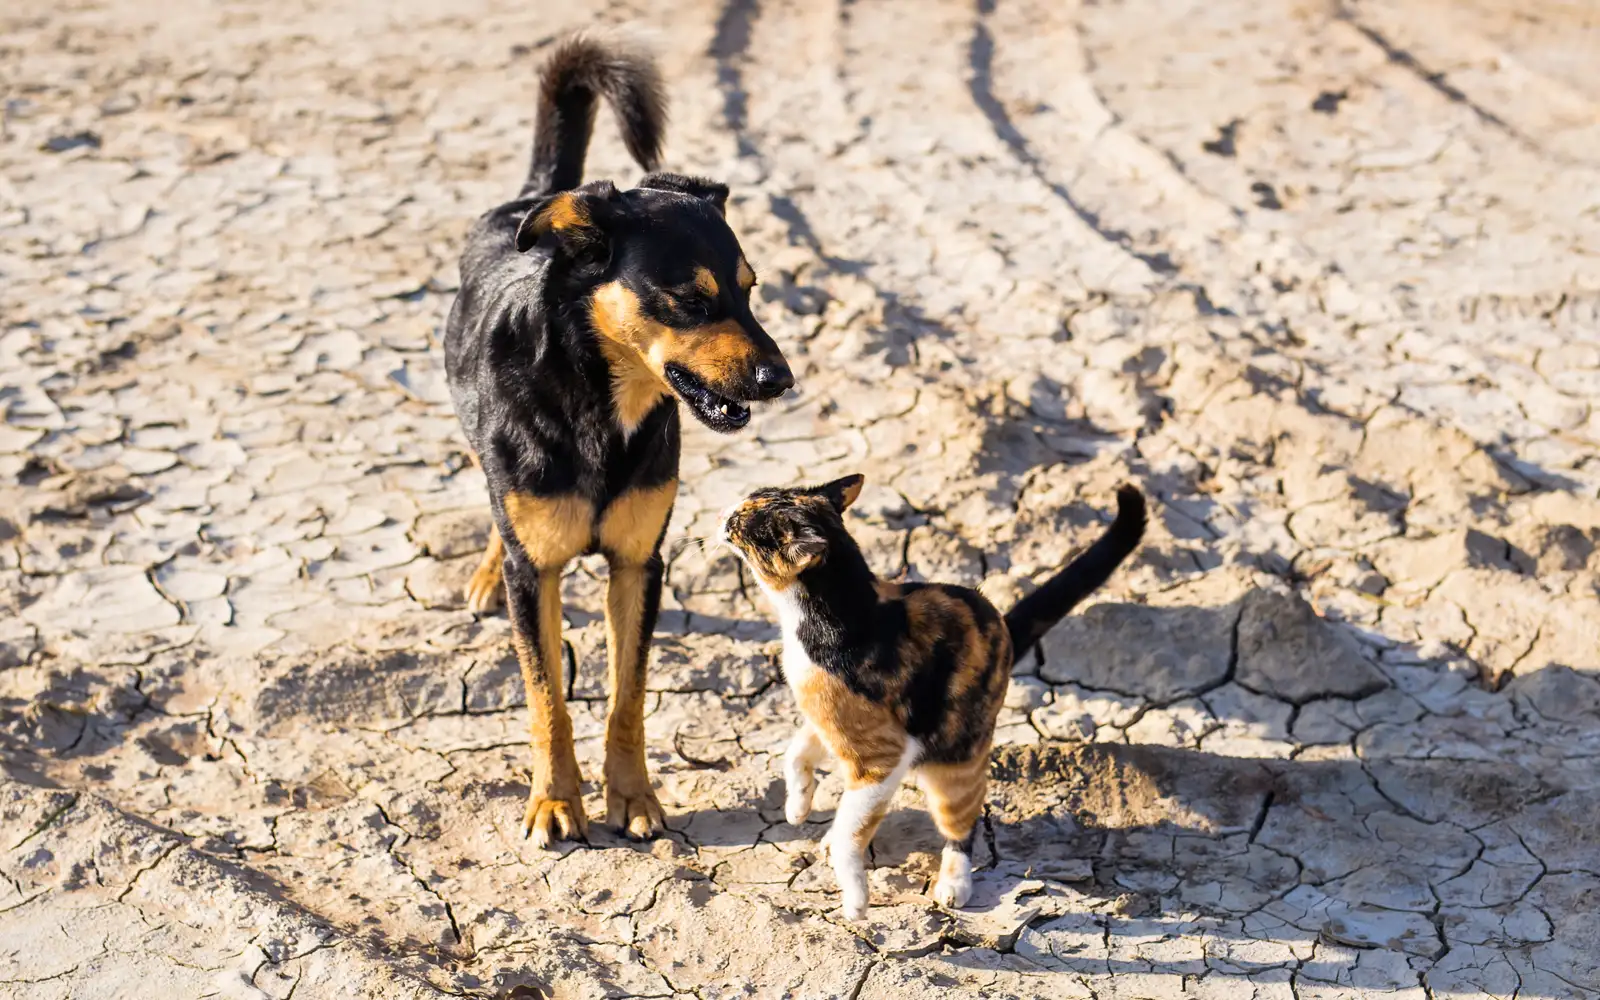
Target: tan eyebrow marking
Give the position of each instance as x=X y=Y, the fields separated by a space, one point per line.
x=706 y=281
x=747 y=277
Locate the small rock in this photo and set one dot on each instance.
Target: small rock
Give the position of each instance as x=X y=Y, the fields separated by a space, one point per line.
x=440 y=583
x=119 y=104
x=1558 y=693
x=1003 y=904
x=77 y=140
x=1288 y=651
x=1423 y=563
x=1371 y=927
x=1157 y=653
x=453 y=533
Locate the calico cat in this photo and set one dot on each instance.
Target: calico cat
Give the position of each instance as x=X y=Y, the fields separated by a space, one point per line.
x=892 y=677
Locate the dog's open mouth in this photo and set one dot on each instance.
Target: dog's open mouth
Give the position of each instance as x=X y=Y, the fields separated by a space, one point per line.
x=716 y=411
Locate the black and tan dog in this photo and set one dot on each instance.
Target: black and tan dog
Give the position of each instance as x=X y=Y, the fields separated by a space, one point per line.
x=585 y=314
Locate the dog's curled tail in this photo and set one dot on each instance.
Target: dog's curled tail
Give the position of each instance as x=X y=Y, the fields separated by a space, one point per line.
x=581 y=68
x=1037 y=613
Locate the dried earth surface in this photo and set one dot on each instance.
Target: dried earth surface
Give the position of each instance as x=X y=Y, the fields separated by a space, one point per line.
x=1322 y=275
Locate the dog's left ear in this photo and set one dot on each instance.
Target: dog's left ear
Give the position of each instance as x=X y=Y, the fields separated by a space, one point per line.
x=700 y=187
x=841 y=493
x=577 y=218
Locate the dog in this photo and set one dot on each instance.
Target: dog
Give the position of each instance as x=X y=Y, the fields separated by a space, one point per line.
x=586 y=314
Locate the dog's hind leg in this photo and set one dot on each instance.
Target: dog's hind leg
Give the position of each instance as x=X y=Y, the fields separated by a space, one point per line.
x=484 y=589
x=630 y=536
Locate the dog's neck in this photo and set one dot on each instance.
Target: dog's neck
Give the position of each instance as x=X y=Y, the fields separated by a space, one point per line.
x=635 y=389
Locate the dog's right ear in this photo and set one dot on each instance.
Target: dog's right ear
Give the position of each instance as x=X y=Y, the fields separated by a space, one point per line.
x=576 y=218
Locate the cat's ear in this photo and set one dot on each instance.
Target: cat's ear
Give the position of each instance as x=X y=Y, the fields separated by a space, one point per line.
x=804 y=549
x=843 y=492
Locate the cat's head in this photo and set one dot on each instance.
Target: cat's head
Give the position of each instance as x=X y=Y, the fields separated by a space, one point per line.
x=781 y=533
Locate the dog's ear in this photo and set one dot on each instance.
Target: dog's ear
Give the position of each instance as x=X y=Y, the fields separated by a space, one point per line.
x=699 y=187
x=578 y=219
x=841 y=493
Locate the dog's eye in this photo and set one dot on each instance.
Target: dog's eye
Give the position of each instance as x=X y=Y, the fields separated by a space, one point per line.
x=591 y=258
x=696 y=307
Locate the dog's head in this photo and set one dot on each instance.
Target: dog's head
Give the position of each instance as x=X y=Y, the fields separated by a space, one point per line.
x=667 y=290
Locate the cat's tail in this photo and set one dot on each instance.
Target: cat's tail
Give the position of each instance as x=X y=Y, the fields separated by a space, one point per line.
x=1037 y=613
x=581 y=69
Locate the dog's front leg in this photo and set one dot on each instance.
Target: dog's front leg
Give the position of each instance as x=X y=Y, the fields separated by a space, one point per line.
x=632 y=601
x=548 y=531
x=555 y=802
x=630 y=534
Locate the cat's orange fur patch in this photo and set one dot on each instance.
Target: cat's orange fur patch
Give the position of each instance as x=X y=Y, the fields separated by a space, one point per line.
x=865 y=736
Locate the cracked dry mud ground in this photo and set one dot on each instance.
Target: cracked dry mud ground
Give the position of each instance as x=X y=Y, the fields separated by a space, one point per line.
x=1321 y=275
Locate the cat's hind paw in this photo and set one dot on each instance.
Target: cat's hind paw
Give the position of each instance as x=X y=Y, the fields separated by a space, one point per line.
x=954 y=886
x=953 y=890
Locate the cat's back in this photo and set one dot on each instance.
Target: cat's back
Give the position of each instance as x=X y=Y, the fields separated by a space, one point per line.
x=955 y=654
x=944 y=606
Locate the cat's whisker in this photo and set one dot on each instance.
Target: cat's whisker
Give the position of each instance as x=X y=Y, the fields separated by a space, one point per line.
x=705 y=543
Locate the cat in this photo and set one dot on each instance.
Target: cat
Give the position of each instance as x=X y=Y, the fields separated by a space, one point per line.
x=895 y=677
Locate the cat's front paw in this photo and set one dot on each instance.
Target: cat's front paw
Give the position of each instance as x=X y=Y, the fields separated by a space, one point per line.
x=954 y=886
x=854 y=907
x=797 y=805
x=849 y=870
x=852 y=893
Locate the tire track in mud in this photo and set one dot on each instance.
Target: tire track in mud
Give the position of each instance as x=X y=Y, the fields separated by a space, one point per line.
x=735 y=27
x=980 y=82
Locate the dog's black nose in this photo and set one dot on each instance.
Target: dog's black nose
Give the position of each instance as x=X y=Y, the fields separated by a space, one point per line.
x=773 y=381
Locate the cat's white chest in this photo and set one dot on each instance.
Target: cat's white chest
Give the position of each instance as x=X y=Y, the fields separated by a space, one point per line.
x=797 y=666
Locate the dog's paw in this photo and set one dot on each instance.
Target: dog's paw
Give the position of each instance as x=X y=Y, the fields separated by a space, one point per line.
x=638 y=815
x=548 y=820
x=485 y=589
